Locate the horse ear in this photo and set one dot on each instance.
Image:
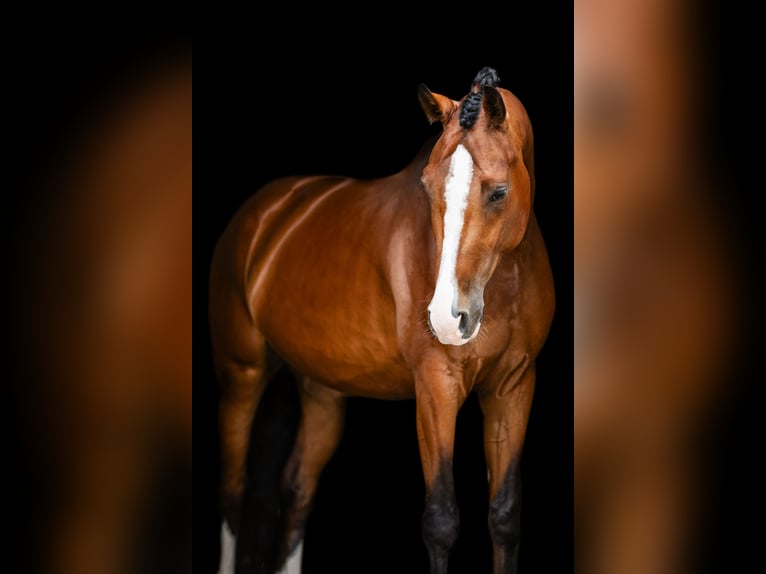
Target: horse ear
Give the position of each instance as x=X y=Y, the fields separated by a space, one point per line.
x=494 y=107
x=437 y=107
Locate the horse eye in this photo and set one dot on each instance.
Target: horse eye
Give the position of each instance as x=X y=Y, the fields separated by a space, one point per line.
x=498 y=194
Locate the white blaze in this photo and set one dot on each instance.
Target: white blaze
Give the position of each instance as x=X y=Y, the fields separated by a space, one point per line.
x=227 y=550
x=457 y=186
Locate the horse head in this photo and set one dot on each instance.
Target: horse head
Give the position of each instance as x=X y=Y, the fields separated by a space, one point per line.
x=480 y=182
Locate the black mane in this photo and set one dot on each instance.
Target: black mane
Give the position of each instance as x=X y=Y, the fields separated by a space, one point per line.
x=471 y=107
x=486 y=77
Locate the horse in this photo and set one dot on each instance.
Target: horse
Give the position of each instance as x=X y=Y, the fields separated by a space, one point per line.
x=431 y=283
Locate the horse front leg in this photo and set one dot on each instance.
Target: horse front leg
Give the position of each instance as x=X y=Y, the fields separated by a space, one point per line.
x=506 y=411
x=438 y=400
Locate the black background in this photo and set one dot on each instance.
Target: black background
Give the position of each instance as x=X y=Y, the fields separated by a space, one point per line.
x=340 y=99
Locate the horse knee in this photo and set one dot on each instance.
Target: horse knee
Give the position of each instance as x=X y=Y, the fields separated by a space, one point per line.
x=441 y=524
x=504 y=519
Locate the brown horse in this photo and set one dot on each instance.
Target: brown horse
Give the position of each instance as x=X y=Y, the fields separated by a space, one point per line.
x=428 y=284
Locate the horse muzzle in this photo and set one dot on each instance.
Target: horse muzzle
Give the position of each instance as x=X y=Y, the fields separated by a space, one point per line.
x=456 y=326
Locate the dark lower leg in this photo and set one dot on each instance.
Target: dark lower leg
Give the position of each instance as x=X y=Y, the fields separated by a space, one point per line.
x=505 y=521
x=440 y=525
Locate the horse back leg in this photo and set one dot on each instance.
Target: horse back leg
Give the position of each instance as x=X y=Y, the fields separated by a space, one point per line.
x=319 y=433
x=242 y=384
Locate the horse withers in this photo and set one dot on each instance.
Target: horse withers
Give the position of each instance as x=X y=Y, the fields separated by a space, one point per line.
x=434 y=283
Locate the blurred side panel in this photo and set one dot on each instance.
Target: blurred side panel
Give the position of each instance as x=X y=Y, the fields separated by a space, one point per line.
x=663 y=287
x=102 y=300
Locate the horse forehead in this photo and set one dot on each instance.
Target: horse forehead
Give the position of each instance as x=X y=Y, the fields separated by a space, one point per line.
x=491 y=154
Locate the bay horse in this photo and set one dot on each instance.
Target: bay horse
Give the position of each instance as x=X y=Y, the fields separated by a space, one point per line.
x=428 y=284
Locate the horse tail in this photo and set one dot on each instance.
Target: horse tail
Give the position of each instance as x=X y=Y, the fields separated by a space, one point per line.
x=252 y=502
x=272 y=439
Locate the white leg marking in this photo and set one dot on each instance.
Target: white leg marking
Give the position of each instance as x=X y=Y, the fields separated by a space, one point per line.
x=293 y=564
x=457 y=186
x=228 y=544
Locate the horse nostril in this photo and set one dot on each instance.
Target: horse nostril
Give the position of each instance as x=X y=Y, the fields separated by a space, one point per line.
x=463 y=324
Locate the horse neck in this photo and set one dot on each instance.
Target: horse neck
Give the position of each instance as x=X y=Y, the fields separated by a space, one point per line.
x=526 y=248
x=406 y=191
